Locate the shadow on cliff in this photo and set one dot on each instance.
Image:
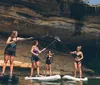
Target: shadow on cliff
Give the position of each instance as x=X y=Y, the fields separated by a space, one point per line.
x=78 y=28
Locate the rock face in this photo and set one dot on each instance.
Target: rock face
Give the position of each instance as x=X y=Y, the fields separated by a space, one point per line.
x=44 y=7
x=32 y=12
x=73 y=21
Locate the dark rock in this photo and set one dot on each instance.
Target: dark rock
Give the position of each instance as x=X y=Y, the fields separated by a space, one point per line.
x=74 y=21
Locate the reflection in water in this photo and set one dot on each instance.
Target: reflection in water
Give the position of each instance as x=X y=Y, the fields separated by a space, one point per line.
x=8 y=83
x=50 y=83
x=22 y=81
x=31 y=82
x=79 y=83
x=42 y=83
x=72 y=83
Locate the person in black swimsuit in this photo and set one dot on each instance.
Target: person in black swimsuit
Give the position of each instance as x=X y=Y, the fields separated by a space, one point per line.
x=35 y=57
x=48 y=62
x=77 y=61
x=10 y=51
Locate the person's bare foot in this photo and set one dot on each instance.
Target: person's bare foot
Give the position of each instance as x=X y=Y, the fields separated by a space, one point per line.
x=30 y=76
x=39 y=76
x=2 y=74
x=50 y=74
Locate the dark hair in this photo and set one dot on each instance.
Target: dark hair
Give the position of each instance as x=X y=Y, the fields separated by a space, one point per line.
x=34 y=42
x=13 y=34
x=48 y=52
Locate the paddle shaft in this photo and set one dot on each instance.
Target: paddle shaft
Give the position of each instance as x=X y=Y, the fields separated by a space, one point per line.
x=51 y=43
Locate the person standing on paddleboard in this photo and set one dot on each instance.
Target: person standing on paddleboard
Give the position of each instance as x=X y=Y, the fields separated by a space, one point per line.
x=48 y=62
x=10 y=51
x=35 y=57
x=77 y=60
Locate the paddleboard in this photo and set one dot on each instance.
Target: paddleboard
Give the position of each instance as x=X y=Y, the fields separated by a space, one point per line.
x=45 y=78
x=74 y=79
x=95 y=78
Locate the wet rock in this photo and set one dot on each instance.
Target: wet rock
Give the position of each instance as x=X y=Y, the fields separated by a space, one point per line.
x=39 y=18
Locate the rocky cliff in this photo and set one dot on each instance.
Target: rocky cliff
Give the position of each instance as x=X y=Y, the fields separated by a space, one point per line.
x=75 y=22
x=80 y=18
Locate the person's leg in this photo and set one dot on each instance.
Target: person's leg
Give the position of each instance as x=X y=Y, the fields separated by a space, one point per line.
x=11 y=64
x=75 y=69
x=35 y=65
x=46 y=69
x=6 y=57
x=32 y=68
x=50 y=69
x=80 y=70
x=38 y=67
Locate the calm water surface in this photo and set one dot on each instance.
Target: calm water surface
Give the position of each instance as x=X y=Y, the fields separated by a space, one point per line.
x=62 y=82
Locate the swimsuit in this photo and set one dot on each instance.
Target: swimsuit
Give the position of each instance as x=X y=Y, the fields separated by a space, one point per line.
x=35 y=58
x=77 y=57
x=48 y=60
x=11 y=49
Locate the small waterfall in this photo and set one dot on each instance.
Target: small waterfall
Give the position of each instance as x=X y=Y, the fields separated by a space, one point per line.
x=97 y=12
x=86 y=1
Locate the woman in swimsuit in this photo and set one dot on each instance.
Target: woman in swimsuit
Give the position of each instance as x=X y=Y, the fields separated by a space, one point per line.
x=48 y=62
x=10 y=51
x=77 y=61
x=35 y=57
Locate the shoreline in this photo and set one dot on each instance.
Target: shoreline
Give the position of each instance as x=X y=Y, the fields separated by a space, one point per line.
x=23 y=69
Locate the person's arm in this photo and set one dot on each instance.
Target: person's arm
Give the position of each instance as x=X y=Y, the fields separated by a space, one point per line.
x=33 y=51
x=22 y=39
x=40 y=51
x=10 y=42
x=74 y=52
x=81 y=56
x=52 y=54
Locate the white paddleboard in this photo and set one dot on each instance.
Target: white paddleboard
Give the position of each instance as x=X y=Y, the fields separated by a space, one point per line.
x=74 y=79
x=45 y=78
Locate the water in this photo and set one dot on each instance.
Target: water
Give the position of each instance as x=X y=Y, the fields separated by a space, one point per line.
x=60 y=82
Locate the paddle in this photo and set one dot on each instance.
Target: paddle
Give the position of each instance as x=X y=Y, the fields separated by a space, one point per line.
x=56 y=38
x=30 y=38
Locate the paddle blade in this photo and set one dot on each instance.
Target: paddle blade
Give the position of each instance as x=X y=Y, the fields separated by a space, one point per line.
x=57 y=38
x=31 y=38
